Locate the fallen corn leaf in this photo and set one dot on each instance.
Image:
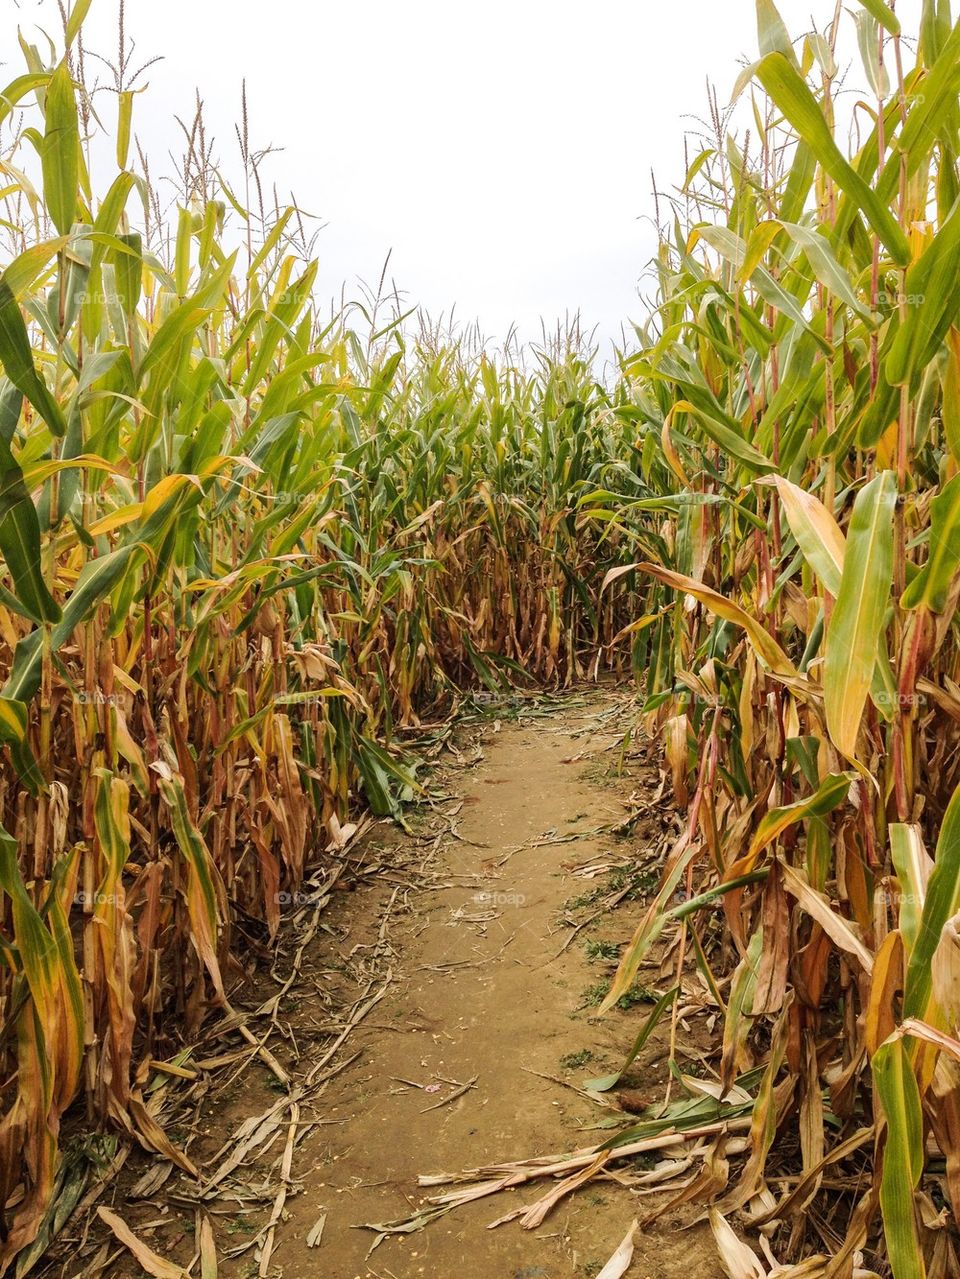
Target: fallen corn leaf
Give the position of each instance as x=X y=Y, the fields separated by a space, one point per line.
x=147 y=1259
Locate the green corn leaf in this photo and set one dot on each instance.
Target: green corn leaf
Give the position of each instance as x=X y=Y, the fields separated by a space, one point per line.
x=96 y=581
x=60 y=158
x=788 y=90
x=772 y=34
x=913 y=867
x=868 y=39
x=124 y=120
x=732 y=443
x=941 y=901
x=831 y=792
x=883 y=14
x=931 y=307
x=606 y=1082
x=78 y=14
x=18 y=89
x=23 y=271
x=181 y=269
x=11 y=406
x=17 y=360
x=930 y=587
x=647 y=931
x=932 y=102
x=36 y=948
x=738 y=1021
x=20 y=541
x=853 y=635
x=824 y=265
x=903 y=1157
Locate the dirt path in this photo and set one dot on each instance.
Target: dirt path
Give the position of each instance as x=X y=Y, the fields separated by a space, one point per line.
x=479 y=993
x=459 y=932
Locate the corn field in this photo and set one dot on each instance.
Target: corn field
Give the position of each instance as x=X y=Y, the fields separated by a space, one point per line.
x=247 y=547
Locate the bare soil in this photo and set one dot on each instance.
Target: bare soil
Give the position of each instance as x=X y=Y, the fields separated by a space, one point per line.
x=480 y=1036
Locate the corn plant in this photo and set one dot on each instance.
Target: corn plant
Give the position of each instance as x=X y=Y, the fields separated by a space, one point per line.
x=799 y=400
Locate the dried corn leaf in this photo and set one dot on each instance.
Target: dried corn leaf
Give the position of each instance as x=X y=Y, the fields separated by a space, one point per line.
x=146 y=1258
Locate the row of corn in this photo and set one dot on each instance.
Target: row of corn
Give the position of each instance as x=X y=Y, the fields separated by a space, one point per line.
x=243 y=548
x=801 y=401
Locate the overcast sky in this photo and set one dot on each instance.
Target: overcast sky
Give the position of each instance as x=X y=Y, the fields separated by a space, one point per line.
x=502 y=150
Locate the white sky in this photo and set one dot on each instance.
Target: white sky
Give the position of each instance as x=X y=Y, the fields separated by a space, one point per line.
x=501 y=150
